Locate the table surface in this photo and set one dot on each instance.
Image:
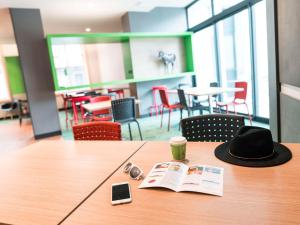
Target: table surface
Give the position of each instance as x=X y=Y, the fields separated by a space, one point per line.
x=100 y=105
x=44 y=182
x=265 y=196
x=196 y=91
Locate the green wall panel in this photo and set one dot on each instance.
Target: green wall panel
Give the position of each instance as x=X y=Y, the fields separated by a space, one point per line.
x=123 y=38
x=15 y=76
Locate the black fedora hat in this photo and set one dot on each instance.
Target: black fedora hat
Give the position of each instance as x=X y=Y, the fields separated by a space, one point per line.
x=253 y=147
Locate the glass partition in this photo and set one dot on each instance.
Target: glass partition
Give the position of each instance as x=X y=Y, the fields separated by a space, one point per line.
x=205 y=57
x=199 y=12
x=221 y=5
x=261 y=59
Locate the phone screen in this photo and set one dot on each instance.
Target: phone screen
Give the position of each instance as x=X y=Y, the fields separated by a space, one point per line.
x=120 y=192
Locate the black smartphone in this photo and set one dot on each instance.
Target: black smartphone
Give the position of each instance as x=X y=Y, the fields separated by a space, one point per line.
x=120 y=193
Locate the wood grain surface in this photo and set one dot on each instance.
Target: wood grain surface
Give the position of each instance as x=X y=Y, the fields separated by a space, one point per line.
x=45 y=181
x=264 y=196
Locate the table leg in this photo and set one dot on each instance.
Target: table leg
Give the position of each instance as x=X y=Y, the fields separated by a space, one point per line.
x=210 y=104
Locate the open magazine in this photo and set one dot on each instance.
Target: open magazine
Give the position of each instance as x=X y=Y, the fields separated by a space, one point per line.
x=180 y=177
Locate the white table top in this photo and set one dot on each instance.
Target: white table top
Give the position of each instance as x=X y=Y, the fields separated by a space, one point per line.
x=90 y=107
x=196 y=91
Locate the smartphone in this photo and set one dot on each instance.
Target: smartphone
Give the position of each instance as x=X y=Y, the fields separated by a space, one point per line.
x=120 y=193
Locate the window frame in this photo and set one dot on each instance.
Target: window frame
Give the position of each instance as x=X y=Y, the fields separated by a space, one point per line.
x=235 y=9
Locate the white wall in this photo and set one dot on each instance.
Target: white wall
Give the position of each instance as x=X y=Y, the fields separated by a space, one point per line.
x=145 y=59
x=9 y=50
x=105 y=62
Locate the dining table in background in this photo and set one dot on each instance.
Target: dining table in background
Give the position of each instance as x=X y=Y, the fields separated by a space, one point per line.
x=208 y=91
x=95 y=106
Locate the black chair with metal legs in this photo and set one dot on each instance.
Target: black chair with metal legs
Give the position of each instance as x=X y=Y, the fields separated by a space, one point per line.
x=190 y=109
x=211 y=128
x=123 y=111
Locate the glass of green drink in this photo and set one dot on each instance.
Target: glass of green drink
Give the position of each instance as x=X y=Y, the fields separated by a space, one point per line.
x=178 y=147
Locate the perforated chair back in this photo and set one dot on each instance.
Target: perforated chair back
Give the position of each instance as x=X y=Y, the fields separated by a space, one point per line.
x=98 y=131
x=123 y=110
x=182 y=98
x=211 y=128
x=241 y=94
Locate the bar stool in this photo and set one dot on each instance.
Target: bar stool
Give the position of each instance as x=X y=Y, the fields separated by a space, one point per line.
x=155 y=106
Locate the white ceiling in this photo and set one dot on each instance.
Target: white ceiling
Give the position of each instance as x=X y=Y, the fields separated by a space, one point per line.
x=73 y=16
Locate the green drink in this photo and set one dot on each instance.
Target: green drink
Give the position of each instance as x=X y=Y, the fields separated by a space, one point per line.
x=178 y=147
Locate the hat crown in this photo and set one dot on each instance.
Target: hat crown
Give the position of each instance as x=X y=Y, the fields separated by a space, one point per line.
x=252 y=143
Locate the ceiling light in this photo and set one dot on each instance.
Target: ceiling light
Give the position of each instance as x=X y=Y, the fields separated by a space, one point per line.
x=88 y=29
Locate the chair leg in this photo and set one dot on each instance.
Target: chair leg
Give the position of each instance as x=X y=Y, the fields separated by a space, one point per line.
x=180 y=118
x=139 y=130
x=250 y=120
x=130 y=135
x=201 y=111
x=234 y=109
x=162 y=116
x=169 y=119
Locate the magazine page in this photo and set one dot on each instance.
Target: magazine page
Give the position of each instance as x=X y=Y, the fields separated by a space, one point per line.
x=167 y=174
x=205 y=179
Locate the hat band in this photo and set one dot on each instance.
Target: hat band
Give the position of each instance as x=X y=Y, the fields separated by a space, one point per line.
x=251 y=158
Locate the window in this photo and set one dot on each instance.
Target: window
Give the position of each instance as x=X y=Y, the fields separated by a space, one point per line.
x=235 y=55
x=205 y=57
x=233 y=47
x=261 y=59
x=69 y=64
x=221 y=5
x=199 y=12
x=4 y=89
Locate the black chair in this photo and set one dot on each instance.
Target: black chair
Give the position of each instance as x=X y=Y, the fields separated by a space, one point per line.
x=8 y=108
x=123 y=111
x=190 y=109
x=211 y=128
x=23 y=110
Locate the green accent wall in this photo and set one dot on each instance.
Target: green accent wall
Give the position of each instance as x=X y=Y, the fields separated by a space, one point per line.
x=125 y=39
x=15 y=76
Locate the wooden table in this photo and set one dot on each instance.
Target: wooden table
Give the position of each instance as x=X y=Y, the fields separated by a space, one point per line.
x=264 y=196
x=42 y=183
x=95 y=106
x=209 y=92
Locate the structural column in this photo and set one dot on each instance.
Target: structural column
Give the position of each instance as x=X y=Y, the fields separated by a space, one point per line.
x=35 y=64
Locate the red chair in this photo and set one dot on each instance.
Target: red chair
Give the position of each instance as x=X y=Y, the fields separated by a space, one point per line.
x=104 y=114
x=239 y=98
x=78 y=101
x=103 y=130
x=155 y=106
x=118 y=92
x=165 y=104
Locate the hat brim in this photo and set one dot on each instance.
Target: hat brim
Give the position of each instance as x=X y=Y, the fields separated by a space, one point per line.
x=281 y=155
